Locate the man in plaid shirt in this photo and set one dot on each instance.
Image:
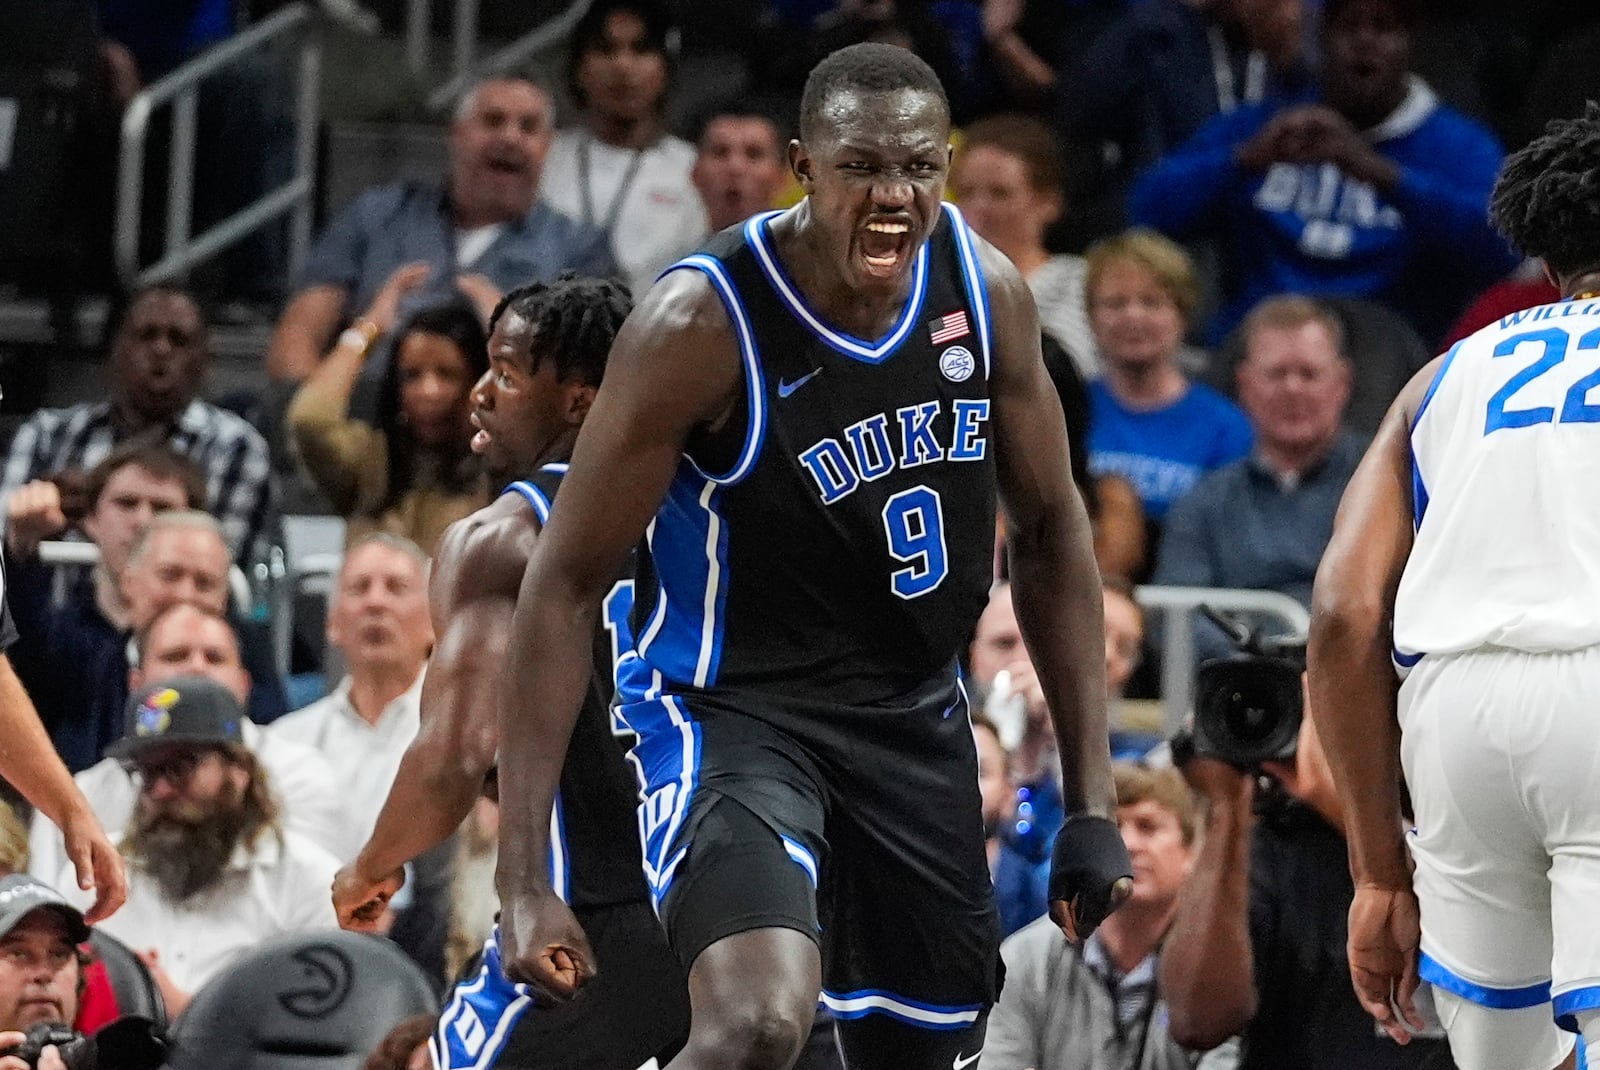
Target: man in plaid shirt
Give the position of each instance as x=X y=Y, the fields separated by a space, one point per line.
x=158 y=362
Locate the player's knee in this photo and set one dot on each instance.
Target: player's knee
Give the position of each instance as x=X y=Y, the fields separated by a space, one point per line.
x=758 y=1036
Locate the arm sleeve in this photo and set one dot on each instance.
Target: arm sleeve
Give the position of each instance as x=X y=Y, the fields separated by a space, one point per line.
x=1185 y=190
x=1445 y=197
x=341 y=454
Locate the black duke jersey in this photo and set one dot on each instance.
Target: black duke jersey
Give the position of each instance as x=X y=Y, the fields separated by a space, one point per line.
x=836 y=539
x=594 y=844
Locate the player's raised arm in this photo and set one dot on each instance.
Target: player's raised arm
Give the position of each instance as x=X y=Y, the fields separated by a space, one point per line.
x=472 y=593
x=1353 y=689
x=1056 y=587
x=673 y=368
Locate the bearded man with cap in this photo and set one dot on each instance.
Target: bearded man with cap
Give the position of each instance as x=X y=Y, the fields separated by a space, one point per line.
x=211 y=870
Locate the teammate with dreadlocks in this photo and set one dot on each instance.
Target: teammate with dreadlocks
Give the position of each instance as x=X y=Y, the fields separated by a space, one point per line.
x=547 y=354
x=1467 y=549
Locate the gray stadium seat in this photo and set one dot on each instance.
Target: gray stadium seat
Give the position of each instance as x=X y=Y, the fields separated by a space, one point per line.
x=311 y=1001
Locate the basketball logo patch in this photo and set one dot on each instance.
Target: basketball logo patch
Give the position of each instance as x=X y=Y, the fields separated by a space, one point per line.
x=957 y=364
x=152 y=717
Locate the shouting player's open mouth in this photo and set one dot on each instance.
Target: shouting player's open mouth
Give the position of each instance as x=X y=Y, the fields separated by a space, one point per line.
x=481 y=437
x=885 y=246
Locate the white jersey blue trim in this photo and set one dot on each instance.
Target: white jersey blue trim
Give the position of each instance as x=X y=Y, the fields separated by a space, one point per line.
x=756 y=233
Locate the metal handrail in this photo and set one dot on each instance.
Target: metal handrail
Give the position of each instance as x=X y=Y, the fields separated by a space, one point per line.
x=466 y=67
x=60 y=552
x=1178 y=606
x=182 y=250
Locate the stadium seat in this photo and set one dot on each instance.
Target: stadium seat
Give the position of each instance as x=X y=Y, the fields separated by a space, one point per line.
x=310 y=1001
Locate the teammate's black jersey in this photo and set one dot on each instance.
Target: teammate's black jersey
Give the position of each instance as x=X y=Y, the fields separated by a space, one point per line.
x=837 y=539
x=594 y=837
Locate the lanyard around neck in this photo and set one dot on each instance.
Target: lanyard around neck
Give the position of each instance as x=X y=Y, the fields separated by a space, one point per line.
x=622 y=189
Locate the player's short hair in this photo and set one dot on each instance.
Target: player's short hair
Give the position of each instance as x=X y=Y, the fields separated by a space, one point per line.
x=575 y=319
x=1028 y=139
x=1159 y=255
x=155 y=458
x=1164 y=787
x=1547 y=198
x=1287 y=312
x=870 y=67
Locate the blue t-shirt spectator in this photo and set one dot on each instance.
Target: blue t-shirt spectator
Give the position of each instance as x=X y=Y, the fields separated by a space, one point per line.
x=1367 y=187
x=1164 y=452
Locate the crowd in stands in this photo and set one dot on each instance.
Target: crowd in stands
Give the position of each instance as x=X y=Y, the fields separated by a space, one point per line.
x=1246 y=224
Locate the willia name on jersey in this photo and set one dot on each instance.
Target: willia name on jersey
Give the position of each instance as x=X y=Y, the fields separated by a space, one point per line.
x=909 y=437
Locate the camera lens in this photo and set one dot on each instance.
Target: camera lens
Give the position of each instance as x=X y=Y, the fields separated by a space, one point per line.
x=1247 y=709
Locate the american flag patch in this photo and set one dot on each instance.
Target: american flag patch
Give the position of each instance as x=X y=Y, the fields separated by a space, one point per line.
x=949 y=328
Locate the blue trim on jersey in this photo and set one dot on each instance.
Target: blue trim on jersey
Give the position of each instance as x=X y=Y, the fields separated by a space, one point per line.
x=1500 y=999
x=1433 y=387
x=802 y=857
x=1405 y=661
x=535 y=497
x=1419 y=491
x=1569 y=1004
x=756 y=234
x=972 y=279
x=749 y=356
x=475 y=1024
x=560 y=869
x=667 y=761
x=689 y=541
x=859 y=1004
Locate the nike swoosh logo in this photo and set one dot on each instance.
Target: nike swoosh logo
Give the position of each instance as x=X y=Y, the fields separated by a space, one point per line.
x=785 y=389
x=962 y=1064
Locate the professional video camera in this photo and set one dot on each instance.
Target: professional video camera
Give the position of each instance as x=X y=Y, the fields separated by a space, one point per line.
x=1248 y=706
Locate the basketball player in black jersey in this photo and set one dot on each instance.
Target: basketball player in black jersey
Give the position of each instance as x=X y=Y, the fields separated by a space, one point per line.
x=809 y=422
x=547 y=353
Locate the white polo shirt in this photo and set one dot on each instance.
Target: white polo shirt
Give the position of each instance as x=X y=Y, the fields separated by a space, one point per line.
x=280 y=887
x=364 y=757
x=301 y=780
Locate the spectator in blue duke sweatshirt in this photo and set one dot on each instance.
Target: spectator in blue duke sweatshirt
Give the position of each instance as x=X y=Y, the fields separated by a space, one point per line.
x=1368 y=187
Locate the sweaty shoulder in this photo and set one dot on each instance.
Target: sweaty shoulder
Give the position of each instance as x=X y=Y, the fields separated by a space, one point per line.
x=489 y=549
x=682 y=334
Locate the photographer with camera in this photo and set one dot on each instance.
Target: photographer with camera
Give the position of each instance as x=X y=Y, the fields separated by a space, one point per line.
x=1257 y=947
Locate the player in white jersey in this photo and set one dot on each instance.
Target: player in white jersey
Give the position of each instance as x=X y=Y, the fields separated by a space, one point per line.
x=1467 y=549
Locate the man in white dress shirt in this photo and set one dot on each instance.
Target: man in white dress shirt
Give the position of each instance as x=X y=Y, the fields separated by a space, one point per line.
x=379 y=622
x=211 y=871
